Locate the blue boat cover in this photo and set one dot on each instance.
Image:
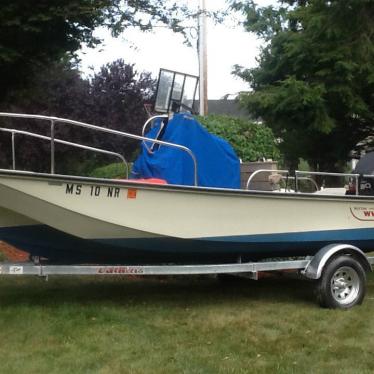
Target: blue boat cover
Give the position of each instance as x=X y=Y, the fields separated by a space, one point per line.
x=217 y=163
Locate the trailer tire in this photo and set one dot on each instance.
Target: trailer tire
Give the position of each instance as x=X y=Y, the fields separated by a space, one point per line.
x=342 y=283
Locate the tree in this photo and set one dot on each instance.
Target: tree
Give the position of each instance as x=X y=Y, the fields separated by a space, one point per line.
x=113 y=98
x=57 y=90
x=314 y=83
x=251 y=141
x=118 y=95
x=34 y=34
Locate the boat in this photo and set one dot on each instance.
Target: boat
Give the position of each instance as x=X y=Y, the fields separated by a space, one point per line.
x=75 y=219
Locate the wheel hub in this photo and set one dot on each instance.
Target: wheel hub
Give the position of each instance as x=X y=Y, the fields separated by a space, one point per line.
x=345 y=285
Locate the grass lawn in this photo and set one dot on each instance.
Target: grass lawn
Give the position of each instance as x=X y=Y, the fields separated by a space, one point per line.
x=179 y=325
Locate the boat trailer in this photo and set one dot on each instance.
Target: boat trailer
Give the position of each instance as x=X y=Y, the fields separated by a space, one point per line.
x=338 y=270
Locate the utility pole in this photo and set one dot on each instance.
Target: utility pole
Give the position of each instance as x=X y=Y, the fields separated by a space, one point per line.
x=203 y=60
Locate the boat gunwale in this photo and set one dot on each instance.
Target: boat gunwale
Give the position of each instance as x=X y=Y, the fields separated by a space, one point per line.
x=178 y=188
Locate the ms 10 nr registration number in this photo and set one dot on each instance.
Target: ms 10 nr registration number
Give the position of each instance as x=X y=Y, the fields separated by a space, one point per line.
x=92 y=190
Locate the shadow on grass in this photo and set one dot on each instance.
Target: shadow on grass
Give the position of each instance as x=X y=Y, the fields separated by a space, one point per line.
x=181 y=291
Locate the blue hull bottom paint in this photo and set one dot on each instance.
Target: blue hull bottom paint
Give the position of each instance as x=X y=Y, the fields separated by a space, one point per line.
x=57 y=246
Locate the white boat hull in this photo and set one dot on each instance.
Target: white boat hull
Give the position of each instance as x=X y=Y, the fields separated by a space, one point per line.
x=52 y=215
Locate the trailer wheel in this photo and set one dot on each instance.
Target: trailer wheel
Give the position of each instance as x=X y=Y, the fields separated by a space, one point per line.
x=342 y=283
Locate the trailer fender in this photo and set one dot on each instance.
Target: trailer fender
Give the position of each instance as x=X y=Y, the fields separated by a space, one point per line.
x=316 y=265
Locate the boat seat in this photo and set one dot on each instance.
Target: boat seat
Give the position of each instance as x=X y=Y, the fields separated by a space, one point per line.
x=332 y=191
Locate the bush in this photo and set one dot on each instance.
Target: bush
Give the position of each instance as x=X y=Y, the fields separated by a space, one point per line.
x=251 y=141
x=111 y=171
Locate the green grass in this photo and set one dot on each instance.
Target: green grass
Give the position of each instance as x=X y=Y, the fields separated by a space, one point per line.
x=178 y=325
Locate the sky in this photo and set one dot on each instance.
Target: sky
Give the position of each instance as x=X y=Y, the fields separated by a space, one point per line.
x=228 y=45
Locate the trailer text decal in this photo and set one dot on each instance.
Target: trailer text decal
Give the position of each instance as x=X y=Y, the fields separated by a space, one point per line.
x=15 y=269
x=94 y=191
x=120 y=270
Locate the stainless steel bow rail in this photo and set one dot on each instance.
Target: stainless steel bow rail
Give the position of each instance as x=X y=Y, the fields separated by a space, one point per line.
x=64 y=142
x=56 y=120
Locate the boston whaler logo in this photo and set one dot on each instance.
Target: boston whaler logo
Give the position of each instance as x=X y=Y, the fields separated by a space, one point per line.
x=363 y=213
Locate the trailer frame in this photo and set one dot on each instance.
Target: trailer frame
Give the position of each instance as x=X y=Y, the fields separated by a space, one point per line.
x=339 y=271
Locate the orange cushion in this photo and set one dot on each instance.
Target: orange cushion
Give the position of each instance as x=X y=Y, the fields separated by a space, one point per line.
x=149 y=180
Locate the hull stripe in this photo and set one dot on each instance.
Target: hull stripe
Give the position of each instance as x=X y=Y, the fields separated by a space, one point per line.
x=45 y=241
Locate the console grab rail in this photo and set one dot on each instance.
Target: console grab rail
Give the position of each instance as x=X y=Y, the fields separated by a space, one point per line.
x=298 y=176
x=322 y=173
x=259 y=171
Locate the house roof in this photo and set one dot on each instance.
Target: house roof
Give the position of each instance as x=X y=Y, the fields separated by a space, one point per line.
x=225 y=107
